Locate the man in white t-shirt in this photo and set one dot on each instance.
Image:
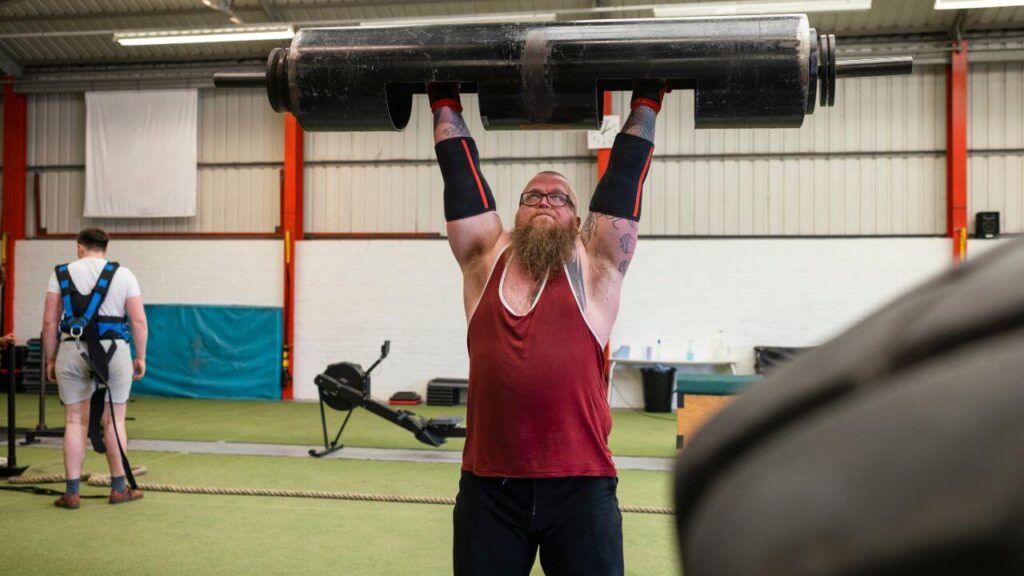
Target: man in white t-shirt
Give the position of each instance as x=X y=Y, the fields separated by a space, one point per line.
x=66 y=366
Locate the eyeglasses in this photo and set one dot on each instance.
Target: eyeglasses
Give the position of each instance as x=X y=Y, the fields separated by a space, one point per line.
x=556 y=199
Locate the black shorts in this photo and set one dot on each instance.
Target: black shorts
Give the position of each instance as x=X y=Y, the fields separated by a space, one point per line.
x=500 y=523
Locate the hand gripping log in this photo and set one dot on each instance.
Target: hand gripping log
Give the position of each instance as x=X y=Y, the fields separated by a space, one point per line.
x=746 y=72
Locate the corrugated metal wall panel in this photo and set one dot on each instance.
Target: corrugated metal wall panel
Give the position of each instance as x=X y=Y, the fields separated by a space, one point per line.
x=996 y=103
x=996 y=184
x=873 y=165
x=367 y=198
x=996 y=141
x=885 y=175
x=416 y=141
x=899 y=195
x=230 y=200
x=239 y=126
x=235 y=126
x=364 y=198
x=56 y=129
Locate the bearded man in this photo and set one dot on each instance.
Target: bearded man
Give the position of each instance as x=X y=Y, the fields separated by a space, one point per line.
x=540 y=301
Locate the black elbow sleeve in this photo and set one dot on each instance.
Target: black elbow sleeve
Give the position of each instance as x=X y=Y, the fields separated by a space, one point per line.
x=619 y=191
x=466 y=192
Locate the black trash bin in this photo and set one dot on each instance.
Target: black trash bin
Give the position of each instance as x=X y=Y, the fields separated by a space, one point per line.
x=658 y=383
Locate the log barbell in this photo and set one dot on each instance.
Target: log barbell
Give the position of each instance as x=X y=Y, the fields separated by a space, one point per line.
x=746 y=72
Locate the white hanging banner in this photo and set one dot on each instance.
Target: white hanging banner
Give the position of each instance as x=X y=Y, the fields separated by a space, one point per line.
x=141 y=150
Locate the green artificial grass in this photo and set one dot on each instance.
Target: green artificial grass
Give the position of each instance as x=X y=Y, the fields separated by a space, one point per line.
x=168 y=533
x=268 y=422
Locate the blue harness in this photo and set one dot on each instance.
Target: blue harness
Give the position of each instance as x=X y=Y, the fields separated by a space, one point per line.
x=80 y=309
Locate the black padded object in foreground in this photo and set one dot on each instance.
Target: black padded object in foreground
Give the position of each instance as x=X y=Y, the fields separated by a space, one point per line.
x=895 y=449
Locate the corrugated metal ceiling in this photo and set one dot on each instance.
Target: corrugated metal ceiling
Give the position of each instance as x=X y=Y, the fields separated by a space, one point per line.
x=56 y=32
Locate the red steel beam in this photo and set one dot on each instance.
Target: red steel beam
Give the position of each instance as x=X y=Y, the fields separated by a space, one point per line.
x=15 y=174
x=604 y=153
x=291 y=226
x=956 y=150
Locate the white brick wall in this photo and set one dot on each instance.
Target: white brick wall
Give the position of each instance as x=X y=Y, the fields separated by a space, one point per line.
x=351 y=295
x=242 y=272
x=760 y=292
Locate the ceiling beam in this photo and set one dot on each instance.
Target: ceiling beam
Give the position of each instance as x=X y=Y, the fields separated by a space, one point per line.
x=256 y=13
x=150 y=14
x=8 y=64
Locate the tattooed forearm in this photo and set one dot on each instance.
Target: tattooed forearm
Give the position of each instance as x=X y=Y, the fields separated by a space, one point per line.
x=641 y=123
x=574 y=268
x=449 y=124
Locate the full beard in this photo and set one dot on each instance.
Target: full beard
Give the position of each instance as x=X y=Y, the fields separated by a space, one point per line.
x=542 y=251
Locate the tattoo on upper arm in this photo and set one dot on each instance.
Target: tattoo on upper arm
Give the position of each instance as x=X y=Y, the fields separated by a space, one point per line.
x=627 y=243
x=641 y=123
x=574 y=268
x=623 y=230
x=589 y=228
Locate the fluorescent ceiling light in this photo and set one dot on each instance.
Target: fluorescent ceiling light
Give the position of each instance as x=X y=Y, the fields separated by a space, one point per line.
x=240 y=34
x=759 y=7
x=962 y=4
x=502 y=18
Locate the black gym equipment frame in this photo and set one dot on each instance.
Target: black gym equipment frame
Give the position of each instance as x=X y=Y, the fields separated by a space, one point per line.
x=11 y=468
x=345 y=386
x=746 y=72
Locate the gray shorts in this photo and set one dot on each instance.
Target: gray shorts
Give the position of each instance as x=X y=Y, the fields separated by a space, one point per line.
x=74 y=378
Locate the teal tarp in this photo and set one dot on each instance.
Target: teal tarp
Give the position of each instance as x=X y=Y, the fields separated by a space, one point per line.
x=714 y=384
x=213 y=352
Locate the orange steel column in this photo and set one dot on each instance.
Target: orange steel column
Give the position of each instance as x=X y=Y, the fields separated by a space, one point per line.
x=604 y=153
x=291 y=226
x=956 y=150
x=15 y=171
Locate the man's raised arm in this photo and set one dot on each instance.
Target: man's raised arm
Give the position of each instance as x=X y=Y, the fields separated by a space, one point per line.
x=610 y=232
x=473 y=225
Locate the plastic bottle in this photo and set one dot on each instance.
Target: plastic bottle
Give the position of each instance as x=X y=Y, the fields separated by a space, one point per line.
x=657 y=350
x=689 y=352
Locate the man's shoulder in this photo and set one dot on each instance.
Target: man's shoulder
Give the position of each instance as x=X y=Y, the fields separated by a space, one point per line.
x=125 y=274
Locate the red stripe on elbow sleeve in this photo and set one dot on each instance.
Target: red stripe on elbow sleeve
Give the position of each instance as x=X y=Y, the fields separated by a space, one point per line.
x=640 y=184
x=476 y=176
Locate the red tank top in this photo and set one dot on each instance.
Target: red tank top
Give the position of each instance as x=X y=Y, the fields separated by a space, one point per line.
x=537 y=394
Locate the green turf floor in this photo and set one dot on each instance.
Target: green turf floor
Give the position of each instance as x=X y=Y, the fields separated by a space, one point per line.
x=196 y=534
x=169 y=534
x=633 y=434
